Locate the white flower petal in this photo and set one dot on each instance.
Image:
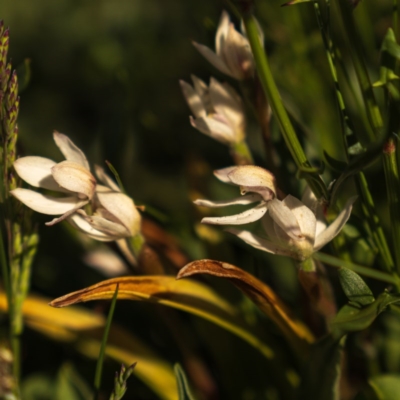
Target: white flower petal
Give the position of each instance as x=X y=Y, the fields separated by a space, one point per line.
x=225 y=104
x=45 y=204
x=216 y=129
x=109 y=228
x=74 y=177
x=223 y=174
x=336 y=226
x=105 y=178
x=222 y=32
x=106 y=262
x=36 y=171
x=285 y=219
x=250 y=178
x=305 y=217
x=246 y=217
x=123 y=208
x=78 y=220
x=67 y=214
x=242 y=200
x=70 y=151
x=237 y=54
x=193 y=99
x=212 y=58
x=315 y=206
x=261 y=244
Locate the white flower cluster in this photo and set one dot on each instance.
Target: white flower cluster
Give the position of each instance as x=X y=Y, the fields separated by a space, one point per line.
x=109 y=215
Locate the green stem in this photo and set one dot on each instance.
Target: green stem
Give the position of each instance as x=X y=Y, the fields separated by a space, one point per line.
x=4 y=270
x=351 y=35
x=359 y=269
x=308 y=265
x=378 y=235
x=241 y=154
x=264 y=72
x=100 y=360
x=136 y=244
x=393 y=188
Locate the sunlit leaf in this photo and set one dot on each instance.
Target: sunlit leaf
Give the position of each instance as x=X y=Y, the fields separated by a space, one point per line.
x=390 y=54
x=262 y=295
x=188 y=295
x=84 y=330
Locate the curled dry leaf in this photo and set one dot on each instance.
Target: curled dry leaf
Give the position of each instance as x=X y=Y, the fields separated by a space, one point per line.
x=261 y=294
x=189 y=296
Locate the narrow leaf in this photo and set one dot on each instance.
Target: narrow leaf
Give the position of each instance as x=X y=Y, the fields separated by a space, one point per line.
x=184 y=391
x=189 y=296
x=84 y=329
x=262 y=295
x=100 y=361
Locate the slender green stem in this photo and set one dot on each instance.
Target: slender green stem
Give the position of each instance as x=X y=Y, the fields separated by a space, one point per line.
x=365 y=271
x=100 y=360
x=4 y=270
x=241 y=154
x=308 y=265
x=369 y=211
x=351 y=35
x=393 y=189
x=395 y=18
x=137 y=243
x=315 y=182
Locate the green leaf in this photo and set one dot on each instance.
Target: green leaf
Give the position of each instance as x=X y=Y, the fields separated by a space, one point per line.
x=335 y=165
x=383 y=387
x=390 y=54
x=184 y=391
x=320 y=379
x=351 y=318
x=354 y=287
x=100 y=360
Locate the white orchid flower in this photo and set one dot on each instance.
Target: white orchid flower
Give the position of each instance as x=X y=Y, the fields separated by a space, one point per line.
x=217 y=109
x=293 y=228
x=250 y=178
x=233 y=54
x=295 y=231
x=71 y=178
x=114 y=214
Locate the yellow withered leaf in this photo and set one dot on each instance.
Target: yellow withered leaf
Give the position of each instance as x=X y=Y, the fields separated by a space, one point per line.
x=188 y=295
x=261 y=294
x=84 y=329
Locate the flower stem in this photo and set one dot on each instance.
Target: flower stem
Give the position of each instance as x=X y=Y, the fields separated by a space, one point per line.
x=313 y=179
x=241 y=154
x=100 y=360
